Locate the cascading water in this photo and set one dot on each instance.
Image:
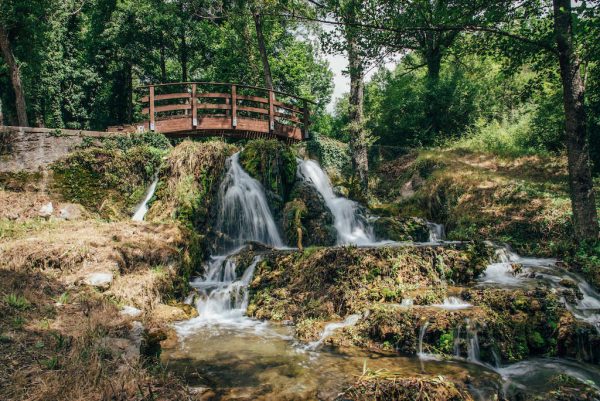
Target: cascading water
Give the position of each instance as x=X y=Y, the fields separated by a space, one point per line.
x=244 y=216
x=351 y=226
x=331 y=328
x=142 y=209
x=453 y=303
x=512 y=270
x=244 y=213
x=436 y=232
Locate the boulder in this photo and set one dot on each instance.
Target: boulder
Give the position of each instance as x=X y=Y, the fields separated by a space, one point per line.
x=46 y=210
x=401 y=229
x=316 y=221
x=101 y=280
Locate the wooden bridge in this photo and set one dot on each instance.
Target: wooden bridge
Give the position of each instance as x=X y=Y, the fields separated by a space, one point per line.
x=221 y=109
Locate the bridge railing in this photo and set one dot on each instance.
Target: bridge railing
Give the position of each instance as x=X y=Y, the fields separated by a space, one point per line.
x=216 y=106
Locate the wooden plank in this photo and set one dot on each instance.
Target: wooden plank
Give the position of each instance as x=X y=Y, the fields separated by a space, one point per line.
x=213 y=95
x=253 y=125
x=233 y=106
x=271 y=111
x=288 y=107
x=253 y=109
x=172 y=107
x=194 y=106
x=152 y=111
x=257 y=99
x=214 y=106
x=289 y=117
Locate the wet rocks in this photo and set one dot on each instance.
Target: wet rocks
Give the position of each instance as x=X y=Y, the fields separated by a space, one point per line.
x=401 y=229
x=101 y=280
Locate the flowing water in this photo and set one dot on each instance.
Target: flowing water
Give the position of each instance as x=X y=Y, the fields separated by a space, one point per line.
x=514 y=271
x=330 y=328
x=351 y=226
x=142 y=209
x=453 y=303
x=243 y=358
x=243 y=216
x=437 y=232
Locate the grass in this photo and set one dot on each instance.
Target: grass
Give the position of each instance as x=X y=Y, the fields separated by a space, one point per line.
x=18 y=302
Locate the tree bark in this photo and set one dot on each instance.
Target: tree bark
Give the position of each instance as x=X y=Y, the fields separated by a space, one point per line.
x=163 y=62
x=262 y=48
x=433 y=107
x=358 y=136
x=183 y=57
x=15 y=76
x=583 y=203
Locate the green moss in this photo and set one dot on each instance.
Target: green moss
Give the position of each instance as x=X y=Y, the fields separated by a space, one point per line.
x=401 y=229
x=107 y=181
x=189 y=183
x=273 y=163
x=446 y=343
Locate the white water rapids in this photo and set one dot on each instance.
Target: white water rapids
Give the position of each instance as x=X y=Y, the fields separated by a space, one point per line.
x=142 y=209
x=244 y=216
x=351 y=226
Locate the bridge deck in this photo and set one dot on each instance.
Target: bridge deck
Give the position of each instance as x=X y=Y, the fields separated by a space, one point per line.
x=204 y=109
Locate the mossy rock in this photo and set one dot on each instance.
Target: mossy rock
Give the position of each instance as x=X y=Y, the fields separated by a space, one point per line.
x=401 y=229
x=189 y=183
x=307 y=211
x=107 y=181
x=274 y=165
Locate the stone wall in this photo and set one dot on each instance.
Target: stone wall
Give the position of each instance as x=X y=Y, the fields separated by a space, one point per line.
x=29 y=149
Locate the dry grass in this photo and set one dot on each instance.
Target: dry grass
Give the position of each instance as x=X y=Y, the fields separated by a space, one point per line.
x=192 y=170
x=386 y=385
x=64 y=340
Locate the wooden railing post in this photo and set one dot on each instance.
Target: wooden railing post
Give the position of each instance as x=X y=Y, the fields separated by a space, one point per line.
x=151 y=101
x=194 y=108
x=233 y=106
x=305 y=120
x=271 y=111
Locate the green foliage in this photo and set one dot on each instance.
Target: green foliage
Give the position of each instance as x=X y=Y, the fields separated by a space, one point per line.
x=107 y=180
x=15 y=301
x=446 y=342
x=331 y=153
x=81 y=62
x=273 y=164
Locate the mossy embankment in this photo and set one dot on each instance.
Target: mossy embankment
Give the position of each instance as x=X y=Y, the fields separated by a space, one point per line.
x=521 y=201
x=85 y=293
x=319 y=285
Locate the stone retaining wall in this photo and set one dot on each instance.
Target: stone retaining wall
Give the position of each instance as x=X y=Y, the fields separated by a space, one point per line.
x=29 y=149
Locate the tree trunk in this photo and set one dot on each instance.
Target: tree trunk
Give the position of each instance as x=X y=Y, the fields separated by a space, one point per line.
x=434 y=106
x=163 y=62
x=358 y=136
x=262 y=48
x=15 y=76
x=183 y=57
x=585 y=217
x=129 y=92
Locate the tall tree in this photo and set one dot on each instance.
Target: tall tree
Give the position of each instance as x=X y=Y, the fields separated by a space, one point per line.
x=262 y=48
x=580 y=180
x=15 y=76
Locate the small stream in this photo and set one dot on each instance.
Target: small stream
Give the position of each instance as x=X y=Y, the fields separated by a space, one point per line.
x=238 y=357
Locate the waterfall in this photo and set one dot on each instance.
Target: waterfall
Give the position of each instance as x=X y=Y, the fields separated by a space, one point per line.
x=243 y=216
x=453 y=303
x=244 y=213
x=142 y=209
x=331 y=328
x=437 y=232
x=422 y=355
x=351 y=227
x=472 y=343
